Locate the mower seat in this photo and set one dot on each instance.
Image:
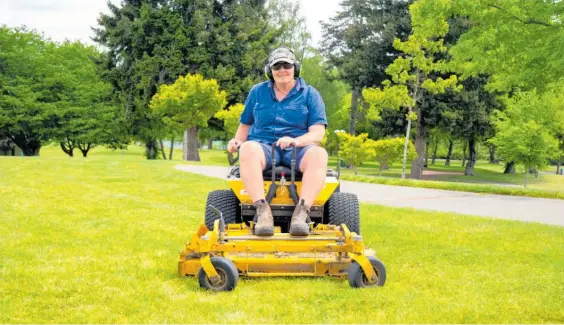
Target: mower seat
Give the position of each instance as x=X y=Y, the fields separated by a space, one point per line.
x=278 y=170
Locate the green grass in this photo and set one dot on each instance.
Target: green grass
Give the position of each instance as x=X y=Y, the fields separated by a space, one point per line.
x=96 y=240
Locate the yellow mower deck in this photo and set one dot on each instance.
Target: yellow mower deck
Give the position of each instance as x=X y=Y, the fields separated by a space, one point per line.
x=328 y=251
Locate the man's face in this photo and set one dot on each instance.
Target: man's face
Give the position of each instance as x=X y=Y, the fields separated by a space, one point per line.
x=283 y=72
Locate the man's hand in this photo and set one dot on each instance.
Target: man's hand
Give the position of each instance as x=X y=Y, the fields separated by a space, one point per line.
x=285 y=142
x=233 y=145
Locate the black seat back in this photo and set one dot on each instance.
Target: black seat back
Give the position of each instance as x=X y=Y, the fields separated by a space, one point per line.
x=278 y=170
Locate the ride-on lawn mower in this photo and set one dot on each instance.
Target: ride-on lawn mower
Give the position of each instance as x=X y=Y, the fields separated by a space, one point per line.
x=225 y=246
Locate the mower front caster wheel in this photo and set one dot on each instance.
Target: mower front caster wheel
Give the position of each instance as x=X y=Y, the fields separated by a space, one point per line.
x=228 y=274
x=357 y=278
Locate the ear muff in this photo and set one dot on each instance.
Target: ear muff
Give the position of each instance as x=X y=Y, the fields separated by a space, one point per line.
x=268 y=71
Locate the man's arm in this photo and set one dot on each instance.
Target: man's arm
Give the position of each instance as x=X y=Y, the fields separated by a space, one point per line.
x=314 y=135
x=246 y=120
x=240 y=136
x=242 y=133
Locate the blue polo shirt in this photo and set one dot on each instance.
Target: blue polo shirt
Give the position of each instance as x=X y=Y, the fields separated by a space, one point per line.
x=270 y=119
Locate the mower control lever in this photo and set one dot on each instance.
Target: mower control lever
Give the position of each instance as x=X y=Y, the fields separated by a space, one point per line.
x=221 y=220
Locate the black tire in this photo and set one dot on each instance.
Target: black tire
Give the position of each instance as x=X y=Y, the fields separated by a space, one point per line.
x=227 y=272
x=225 y=201
x=344 y=208
x=357 y=278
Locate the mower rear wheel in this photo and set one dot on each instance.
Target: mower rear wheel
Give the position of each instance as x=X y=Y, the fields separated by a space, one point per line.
x=357 y=278
x=344 y=208
x=228 y=274
x=225 y=201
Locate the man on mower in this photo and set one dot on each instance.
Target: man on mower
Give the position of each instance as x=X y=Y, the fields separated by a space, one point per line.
x=288 y=112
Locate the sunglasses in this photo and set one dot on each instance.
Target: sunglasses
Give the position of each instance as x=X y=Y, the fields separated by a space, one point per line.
x=284 y=65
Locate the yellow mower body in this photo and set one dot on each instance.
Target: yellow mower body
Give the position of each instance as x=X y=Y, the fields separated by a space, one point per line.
x=328 y=251
x=225 y=245
x=282 y=194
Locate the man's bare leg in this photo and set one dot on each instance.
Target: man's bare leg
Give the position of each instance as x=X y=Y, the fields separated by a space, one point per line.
x=252 y=163
x=314 y=169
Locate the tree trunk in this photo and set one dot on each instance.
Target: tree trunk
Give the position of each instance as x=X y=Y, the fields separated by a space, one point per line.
x=190 y=151
x=526 y=177
x=85 y=148
x=472 y=157
x=449 y=154
x=405 y=146
x=354 y=109
x=210 y=144
x=29 y=147
x=492 y=154
x=464 y=153
x=509 y=168
x=417 y=165
x=151 y=151
x=534 y=171
x=67 y=147
x=427 y=145
x=435 y=151
x=171 y=148
x=162 y=149
x=558 y=164
x=31 y=150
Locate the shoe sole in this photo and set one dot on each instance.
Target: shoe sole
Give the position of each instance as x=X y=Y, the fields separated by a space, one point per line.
x=299 y=229
x=264 y=231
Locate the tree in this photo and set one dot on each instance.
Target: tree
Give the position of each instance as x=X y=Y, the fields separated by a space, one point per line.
x=512 y=41
x=84 y=111
x=291 y=27
x=466 y=115
x=411 y=75
x=325 y=79
x=151 y=43
x=359 y=41
x=28 y=89
x=189 y=103
x=230 y=118
x=355 y=150
x=388 y=151
x=526 y=130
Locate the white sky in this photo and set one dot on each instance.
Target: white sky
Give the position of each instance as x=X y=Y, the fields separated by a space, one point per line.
x=73 y=19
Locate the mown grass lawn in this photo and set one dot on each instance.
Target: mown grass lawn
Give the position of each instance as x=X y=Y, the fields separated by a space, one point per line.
x=96 y=240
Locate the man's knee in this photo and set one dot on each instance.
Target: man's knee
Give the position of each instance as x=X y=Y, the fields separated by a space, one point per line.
x=252 y=150
x=315 y=156
x=249 y=149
